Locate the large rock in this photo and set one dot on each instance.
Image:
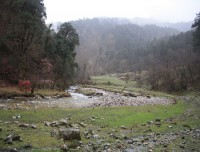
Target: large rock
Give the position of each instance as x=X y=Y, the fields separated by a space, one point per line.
x=69 y=134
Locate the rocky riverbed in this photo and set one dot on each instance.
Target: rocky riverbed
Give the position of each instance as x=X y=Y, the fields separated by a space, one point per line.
x=99 y=98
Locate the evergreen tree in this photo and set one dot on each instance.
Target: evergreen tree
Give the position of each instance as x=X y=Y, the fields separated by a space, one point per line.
x=196 y=34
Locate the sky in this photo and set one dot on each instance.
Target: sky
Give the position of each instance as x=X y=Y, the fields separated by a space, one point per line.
x=162 y=10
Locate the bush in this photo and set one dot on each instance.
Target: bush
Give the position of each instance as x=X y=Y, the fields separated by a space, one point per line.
x=24 y=86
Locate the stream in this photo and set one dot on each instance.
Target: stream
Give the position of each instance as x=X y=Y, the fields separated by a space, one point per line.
x=77 y=100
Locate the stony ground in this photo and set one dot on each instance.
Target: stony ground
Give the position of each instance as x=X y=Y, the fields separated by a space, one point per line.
x=100 y=98
x=106 y=99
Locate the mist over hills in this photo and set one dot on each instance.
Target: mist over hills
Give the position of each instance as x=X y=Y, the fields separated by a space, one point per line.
x=181 y=26
x=106 y=45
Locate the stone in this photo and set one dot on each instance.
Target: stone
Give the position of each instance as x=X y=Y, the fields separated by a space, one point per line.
x=14 y=150
x=23 y=125
x=158 y=124
x=64 y=147
x=119 y=146
x=82 y=124
x=54 y=124
x=150 y=122
x=76 y=126
x=9 y=141
x=106 y=145
x=16 y=122
x=98 y=94
x=46 y=123
x=123 y=127
x=90 y=131
x=130 y=141
x=8 y=137
x=63 y=122
x=133 y=95
x=70 y=134
x=148 y=96
x=95 y=136
x=33 y=126
x=18 y=116
x=16 y=138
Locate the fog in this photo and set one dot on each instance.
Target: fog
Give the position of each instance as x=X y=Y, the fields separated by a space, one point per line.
x=162 y=10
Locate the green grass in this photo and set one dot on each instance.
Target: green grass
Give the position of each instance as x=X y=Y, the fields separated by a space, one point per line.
x=114 y=117
x=107 y=80
x=114 y=84
x=107 y=119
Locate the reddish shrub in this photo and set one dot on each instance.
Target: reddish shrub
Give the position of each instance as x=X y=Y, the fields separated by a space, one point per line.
x=24 y=85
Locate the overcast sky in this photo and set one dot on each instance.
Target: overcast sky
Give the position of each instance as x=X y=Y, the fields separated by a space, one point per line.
x=163 y=10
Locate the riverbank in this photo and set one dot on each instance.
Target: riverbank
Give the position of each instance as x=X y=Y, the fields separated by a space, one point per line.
x=13 y=92
x=91 y=98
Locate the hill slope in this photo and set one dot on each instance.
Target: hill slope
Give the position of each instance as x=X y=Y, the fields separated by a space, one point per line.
x=106 y=44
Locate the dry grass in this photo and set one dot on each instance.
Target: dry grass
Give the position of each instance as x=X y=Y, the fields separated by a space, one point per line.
x=13 y=91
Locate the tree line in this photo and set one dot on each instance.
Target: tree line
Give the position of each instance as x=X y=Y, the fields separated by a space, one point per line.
x=31 y=50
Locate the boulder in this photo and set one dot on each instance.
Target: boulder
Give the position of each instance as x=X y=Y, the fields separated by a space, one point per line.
x=46 y=123
x=33 y=126
x=98 y=94
x=16 y=138
x=148 y=96
x=63 y=122
x=133 y=94
x=82 y=124
x=69 y=134
x=10 y=138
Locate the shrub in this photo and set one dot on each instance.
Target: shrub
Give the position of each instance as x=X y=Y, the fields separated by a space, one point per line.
x=24 y=86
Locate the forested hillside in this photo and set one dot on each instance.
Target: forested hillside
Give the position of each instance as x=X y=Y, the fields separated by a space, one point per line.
x=116 y=46
x=107 y=45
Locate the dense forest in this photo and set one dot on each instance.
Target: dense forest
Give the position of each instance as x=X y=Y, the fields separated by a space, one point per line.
x=162 y=57
x=30 y=50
